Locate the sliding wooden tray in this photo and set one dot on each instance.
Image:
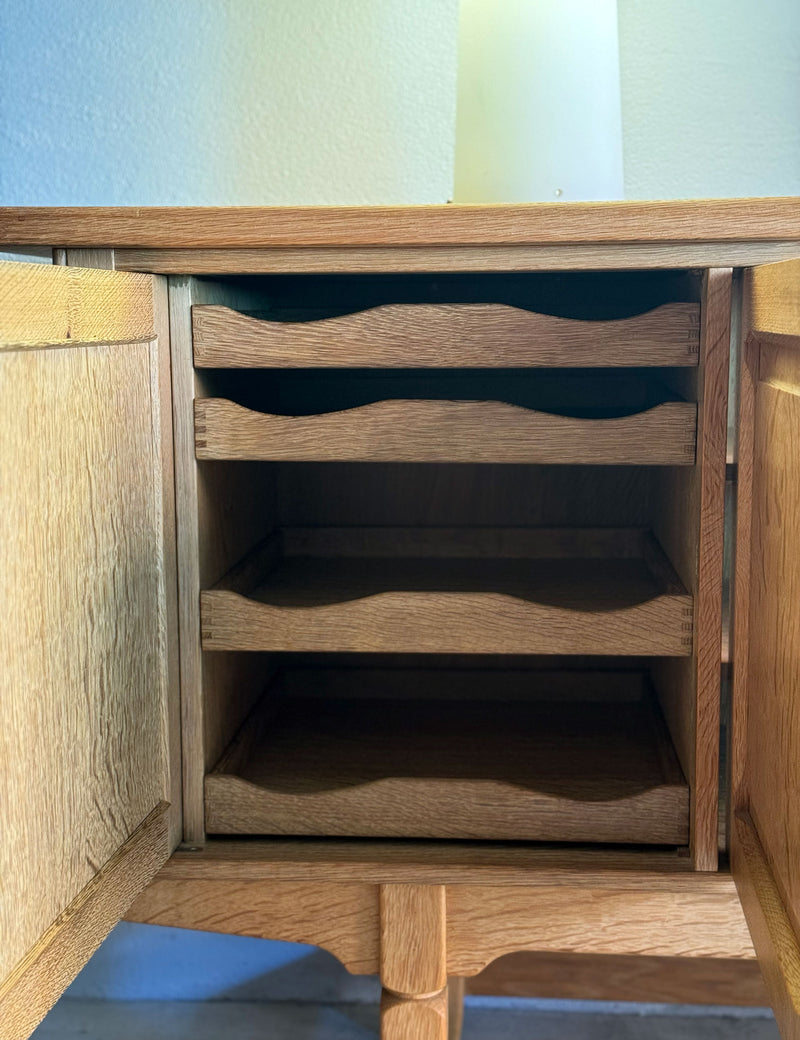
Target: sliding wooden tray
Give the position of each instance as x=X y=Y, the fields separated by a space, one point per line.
x=600 y=417
x=455 y=335
x=581 y=757
x=452 y=590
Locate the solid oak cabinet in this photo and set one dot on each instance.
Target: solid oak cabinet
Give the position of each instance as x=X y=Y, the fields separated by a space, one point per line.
x=367 y=574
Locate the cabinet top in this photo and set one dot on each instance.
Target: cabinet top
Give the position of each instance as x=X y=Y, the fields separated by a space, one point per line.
x=264 y=227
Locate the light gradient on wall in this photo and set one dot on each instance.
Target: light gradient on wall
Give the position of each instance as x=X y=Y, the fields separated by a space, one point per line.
x=710 y=97
x=225 y=102
x=538 y=101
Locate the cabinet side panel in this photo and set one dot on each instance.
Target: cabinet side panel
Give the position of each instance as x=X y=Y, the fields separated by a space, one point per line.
x=688 y=516
x=82 y=677
x=765 y=746
x=222 y=510
x=773 y=680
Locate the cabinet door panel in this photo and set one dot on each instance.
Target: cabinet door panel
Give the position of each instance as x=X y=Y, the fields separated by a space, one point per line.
x=86 y=591
x=765 y=836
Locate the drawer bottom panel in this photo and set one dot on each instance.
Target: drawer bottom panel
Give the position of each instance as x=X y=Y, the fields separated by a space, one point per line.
x=474 y=754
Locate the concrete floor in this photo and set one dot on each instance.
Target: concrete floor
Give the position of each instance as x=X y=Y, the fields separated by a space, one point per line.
x=485 y=1019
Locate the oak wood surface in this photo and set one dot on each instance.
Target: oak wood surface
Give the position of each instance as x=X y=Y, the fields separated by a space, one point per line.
x=446 y=335
x=760 y=219
x=479 y=258
x=393 y=494
x=774 y=298
x=86 y=646
x=702 y=918
x=413 y=960
x=575 y=602
x=342 y=918
x=765 y=730
x=688 y=517
x=649 y=980
x=423 y=1019
x=451 y=863
x=766 y=723
x=447 y=431
x=43 y=307
x=542 y=769
x=773 y=931
x=485 y=923
x=28 y=993
x=772 y=736
x=221 y=513
x=96 y=258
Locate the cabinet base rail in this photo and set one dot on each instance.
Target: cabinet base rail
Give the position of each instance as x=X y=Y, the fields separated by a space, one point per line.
x=454 y=929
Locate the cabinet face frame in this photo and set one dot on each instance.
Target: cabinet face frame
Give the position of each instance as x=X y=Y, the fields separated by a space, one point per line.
x=765 y=748
x=89 y=683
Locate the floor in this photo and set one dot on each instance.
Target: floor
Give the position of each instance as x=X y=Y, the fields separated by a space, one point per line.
x=484 y=1019
x=169 y=984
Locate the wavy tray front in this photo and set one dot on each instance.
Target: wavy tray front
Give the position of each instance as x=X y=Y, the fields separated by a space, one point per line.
x=447 y=431
x=432 y=763
x=446 y=335
x=417 y=590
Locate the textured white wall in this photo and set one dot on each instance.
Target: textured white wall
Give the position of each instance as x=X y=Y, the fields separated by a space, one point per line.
x=710 y=97
x=178 y=102
x=538 y=101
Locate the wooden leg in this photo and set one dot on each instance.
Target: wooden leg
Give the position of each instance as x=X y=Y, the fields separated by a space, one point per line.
x=413 y=962
x=404 y=1018
x=455 y=1007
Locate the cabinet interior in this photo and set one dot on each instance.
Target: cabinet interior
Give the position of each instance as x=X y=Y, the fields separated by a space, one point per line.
x=570 y=718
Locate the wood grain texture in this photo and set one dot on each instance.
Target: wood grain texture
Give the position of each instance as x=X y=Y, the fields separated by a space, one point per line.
x=511 y=258
x=413 y=944
x=697 y=915
x=318 y=494
x=740 y=600
x=446 y=336
x=774 y=299
x=438 y=863
x=43 y=306
x=161 y=386
x=484 y=923
x=774 y=932
x=343 y=918
x=521 y=770
x=772 y=737
x=447 y=431
x=423 y=1019
x=565 y=604
x=28 y=993
x=95 y=258
x=688 y=519
x=766 y=723
x=760 y=219
x=84 y=653
x=649 y=980
x=221 y=512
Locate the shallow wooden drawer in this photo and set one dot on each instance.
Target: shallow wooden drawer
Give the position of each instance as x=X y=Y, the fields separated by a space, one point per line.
x=483 y=754
x=459 y=590
x=597 y=417
x=444 y=335
x=446 y=431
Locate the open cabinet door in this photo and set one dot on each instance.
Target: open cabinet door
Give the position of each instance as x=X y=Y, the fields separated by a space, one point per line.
x=89 y=795
x=765 y=831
